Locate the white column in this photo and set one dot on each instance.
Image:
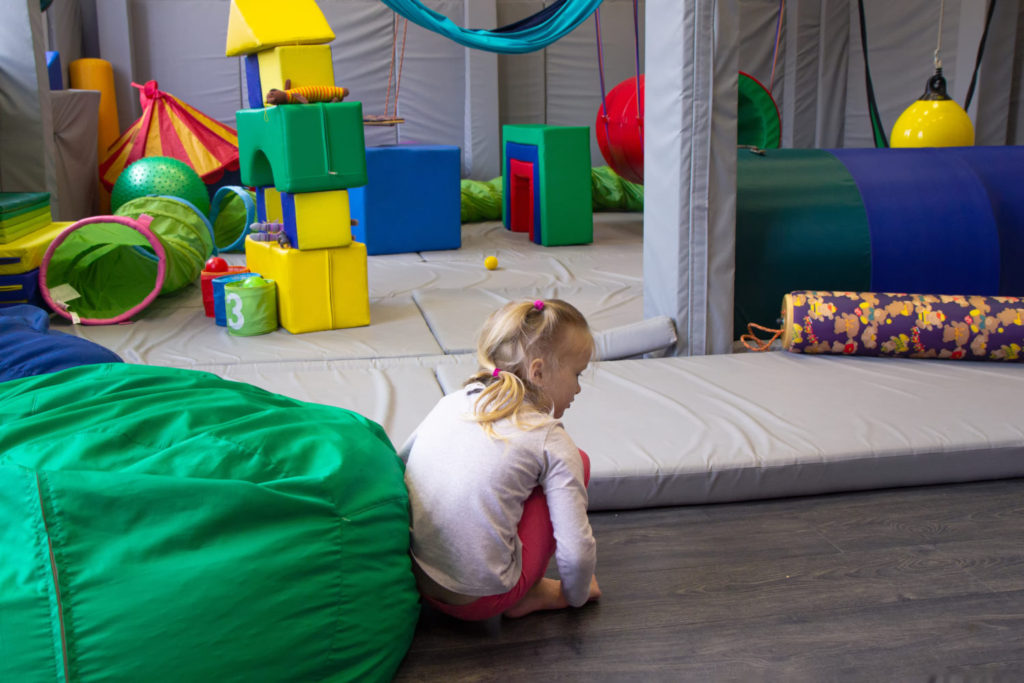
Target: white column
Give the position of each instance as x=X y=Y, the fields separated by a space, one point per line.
x=26 y=120
x=481 y=150
x=690 y=170
x=116 y=31
x=992 y=94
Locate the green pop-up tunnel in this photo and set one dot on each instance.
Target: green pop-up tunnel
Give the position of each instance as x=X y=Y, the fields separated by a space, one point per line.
x=106 y=269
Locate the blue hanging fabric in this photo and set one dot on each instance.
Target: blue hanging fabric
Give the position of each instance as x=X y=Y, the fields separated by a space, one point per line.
x=527 y=35
x=532 y=20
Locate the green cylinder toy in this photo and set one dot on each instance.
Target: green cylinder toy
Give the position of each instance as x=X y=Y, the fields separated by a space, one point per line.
x=250 y=306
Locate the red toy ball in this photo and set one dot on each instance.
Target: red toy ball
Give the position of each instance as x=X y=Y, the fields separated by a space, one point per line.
x=216 y=265
x=620 y=135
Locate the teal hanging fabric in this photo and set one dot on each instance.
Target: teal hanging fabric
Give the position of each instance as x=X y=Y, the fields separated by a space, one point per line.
x=528 y=35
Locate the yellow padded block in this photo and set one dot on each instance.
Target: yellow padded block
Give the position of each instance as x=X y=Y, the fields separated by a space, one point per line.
x=301 y=64
x=317 y=220
x=272 y=201
x=26 y=253
x=255 y=25
x=317 y=289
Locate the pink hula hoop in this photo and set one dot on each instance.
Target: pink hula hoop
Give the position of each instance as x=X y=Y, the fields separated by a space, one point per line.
x=140 y=225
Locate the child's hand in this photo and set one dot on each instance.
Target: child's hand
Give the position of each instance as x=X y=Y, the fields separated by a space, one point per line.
x=595 y=590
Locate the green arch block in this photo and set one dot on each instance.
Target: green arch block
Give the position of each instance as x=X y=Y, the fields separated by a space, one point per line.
x=302 y=147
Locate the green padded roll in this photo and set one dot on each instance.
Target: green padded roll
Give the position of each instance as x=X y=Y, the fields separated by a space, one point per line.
x=611 y=192
x=481 y=200
x=159 y=524
x=800 y=224
x=16 y=203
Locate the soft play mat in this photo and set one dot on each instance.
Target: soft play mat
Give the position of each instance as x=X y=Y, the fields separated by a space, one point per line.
x=712 y=429
x=162 y=524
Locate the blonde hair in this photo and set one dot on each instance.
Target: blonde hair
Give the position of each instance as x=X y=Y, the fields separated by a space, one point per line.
x=510 y=339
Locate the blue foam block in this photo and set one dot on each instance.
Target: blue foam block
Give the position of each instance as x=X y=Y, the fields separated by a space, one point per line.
x=54 y=71
x=253 y=88
x=530 y=154
x=21 y=288
x=261 y=205
x=412 y=200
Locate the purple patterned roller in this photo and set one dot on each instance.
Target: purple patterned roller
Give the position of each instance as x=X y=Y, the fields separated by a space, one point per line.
x=955 y=327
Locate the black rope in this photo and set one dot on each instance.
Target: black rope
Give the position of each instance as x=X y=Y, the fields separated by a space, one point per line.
x=876 y=121
x=981 y=51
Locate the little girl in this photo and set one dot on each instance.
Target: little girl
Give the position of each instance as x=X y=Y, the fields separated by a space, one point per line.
x=495 y=483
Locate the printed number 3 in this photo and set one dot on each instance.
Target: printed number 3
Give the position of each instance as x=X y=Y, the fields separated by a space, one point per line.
x=235 y=317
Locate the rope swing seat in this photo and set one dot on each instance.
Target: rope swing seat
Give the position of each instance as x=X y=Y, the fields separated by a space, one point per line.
x=390 y=116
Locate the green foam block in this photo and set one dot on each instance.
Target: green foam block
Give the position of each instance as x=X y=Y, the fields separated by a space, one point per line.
x=302 y=147
x=12 y=229
x=563 y=153
x=13 y=203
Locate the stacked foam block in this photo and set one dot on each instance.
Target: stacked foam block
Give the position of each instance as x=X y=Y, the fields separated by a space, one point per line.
x=547 y=190
x=26 y=230
x=302 y=159
x=428 y=217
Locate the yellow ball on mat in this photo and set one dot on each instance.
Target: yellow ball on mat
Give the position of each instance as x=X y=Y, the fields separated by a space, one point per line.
x=491 y=262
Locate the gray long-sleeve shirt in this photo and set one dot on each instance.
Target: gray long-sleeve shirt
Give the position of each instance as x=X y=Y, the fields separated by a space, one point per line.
x=467 y=492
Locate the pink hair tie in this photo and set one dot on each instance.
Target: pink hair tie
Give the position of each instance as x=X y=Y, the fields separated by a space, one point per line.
x=539 y=305
x=496 y=372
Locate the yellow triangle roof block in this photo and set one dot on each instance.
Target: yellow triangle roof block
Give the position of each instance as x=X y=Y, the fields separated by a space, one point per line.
x=255 y=25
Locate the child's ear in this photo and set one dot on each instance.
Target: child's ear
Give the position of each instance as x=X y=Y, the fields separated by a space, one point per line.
x=536 y=370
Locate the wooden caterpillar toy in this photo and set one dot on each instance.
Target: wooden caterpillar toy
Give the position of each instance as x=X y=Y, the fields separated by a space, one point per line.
x=306 y=94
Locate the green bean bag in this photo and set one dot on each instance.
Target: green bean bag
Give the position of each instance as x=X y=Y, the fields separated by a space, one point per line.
x=168 y=525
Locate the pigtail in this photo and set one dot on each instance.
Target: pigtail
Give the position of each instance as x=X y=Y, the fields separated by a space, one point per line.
x=502 y=397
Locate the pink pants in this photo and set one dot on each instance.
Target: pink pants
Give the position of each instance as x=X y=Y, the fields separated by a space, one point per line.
x=538 y=541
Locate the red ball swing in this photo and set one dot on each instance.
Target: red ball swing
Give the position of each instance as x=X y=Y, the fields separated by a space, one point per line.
x=620 y=129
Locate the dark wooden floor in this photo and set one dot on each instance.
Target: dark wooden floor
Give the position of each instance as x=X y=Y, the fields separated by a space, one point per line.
x=917 y=584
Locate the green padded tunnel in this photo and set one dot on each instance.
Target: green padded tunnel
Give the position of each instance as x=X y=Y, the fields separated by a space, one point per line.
x=116 y=270
x=159 y=524
x=800 y=224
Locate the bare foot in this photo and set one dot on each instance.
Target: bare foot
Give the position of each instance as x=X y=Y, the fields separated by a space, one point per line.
x=547 y=594
x=595 y=590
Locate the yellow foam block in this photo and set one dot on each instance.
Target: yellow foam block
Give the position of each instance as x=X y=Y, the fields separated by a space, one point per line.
x=26 y=253
x=317 y=220
x=301 y=64
x=255 y=25
x=317 y=289
x=98 y=74
x=272 y=202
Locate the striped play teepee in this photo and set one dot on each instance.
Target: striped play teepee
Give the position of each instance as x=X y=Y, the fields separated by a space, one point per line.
x=171 y=128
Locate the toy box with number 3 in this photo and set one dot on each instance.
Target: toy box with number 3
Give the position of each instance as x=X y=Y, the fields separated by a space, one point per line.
x=250 y=306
